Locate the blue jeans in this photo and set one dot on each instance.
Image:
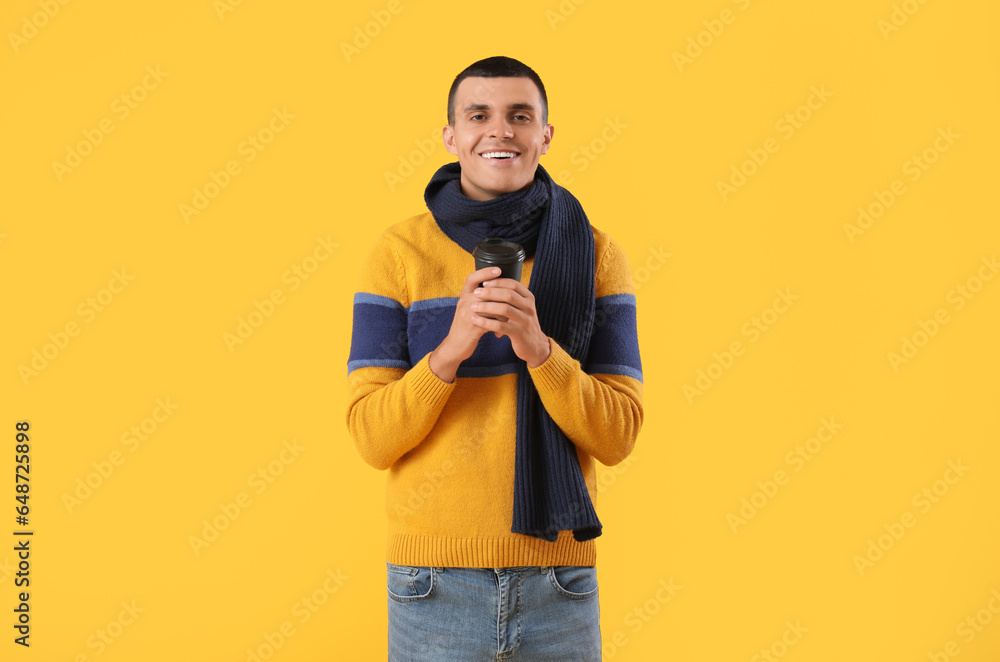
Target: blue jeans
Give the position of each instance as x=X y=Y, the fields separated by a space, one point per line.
x=536 y=614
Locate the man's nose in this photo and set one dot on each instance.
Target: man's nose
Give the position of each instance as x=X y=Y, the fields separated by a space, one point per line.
x=500 y=128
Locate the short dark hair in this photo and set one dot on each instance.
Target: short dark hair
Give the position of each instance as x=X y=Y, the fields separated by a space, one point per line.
x=498 y=67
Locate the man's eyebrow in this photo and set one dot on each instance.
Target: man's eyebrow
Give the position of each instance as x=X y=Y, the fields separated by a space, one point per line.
x=485 y=106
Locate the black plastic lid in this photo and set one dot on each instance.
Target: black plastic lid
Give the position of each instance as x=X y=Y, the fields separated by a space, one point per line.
x=498 y=250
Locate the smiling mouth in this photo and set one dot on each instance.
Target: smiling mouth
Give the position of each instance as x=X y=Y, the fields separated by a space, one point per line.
x=499 y=156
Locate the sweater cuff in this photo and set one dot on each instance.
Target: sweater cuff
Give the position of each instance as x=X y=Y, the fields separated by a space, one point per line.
x=555 y=371
x=429 y=387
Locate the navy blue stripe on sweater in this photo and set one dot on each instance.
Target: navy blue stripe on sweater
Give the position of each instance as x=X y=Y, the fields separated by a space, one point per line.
x=378 y=336
x=614 y=344
x=387 y=334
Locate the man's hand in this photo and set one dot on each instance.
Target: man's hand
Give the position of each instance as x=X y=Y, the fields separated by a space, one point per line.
x=512 y=307
x=463 y=336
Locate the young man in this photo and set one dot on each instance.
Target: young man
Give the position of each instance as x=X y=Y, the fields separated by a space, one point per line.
x=489 y=401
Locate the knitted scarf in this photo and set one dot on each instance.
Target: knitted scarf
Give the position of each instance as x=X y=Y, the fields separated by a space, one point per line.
x=550 y=494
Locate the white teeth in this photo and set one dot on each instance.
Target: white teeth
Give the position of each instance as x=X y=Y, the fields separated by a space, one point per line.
x=499 y=155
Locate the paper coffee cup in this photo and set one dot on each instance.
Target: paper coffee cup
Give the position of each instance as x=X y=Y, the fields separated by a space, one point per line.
x=499 y=253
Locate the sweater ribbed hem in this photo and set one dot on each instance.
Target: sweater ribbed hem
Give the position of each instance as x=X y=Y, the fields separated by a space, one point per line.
x=556 y=371
x=503 y=552
x=429 y=387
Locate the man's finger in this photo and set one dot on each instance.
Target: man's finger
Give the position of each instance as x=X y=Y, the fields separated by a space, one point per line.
x=508 y=283
x=492 y=309
x=473 y=280
x=506 y=295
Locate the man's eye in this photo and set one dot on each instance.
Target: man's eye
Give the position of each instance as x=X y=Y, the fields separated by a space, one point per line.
x=521 y=117
x=477 y=116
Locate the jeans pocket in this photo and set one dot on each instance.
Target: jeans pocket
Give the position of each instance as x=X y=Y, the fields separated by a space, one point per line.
x=576 y=582
x=407 y=583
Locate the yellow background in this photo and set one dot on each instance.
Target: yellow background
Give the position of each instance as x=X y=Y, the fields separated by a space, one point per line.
x=358 y=115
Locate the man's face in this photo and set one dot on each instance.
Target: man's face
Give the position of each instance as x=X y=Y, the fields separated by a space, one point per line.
x=494 y=118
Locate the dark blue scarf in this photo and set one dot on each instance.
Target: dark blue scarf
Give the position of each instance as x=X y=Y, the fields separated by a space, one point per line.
x=550 y=493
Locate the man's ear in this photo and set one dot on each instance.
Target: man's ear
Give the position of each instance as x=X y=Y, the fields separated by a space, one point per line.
x=448 y=135
x=547 y=137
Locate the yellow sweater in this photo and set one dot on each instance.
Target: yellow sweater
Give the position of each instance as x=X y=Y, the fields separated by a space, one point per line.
x=449 y=448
